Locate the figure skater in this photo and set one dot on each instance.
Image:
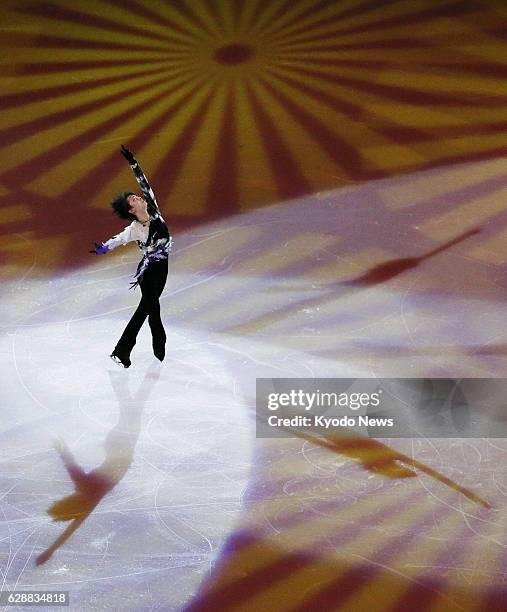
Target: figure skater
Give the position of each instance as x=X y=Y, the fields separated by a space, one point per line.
x=150 y=231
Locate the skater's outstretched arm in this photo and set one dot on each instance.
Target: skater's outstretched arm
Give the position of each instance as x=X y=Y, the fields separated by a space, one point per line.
x=127 y=235
x=148 y=192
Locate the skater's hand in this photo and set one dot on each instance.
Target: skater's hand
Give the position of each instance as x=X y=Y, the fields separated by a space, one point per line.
x=100 y=248
x=128 y=155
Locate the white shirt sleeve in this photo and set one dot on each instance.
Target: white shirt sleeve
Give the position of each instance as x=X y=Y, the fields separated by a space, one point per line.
x=129 y=234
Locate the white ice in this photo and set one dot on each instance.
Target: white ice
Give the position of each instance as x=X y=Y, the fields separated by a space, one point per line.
x=264 y=294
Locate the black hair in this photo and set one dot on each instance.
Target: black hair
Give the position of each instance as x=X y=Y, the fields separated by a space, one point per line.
x=121 y=206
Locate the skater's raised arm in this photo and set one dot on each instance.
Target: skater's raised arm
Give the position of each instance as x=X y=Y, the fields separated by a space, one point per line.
x=148 y=192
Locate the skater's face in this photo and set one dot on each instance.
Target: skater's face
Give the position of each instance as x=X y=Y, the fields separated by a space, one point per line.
x=138 y=206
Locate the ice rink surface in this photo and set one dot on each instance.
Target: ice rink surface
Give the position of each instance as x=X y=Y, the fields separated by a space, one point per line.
x=146 y=489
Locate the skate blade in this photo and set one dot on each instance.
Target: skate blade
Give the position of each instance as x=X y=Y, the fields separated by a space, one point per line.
x=118 y=361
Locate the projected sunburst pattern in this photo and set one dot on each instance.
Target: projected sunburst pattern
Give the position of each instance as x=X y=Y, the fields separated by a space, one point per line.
x=233 y=104
x=320 y=534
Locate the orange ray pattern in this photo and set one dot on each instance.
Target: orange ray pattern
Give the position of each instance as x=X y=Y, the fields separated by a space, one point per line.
x=233 y=104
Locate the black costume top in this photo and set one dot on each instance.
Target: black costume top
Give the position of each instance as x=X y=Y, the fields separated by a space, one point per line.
x=154 y=238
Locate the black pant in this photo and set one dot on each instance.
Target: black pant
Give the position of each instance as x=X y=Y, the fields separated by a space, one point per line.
x=152 y=284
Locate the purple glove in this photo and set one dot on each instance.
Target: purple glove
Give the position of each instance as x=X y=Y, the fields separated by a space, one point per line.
x=100 y=248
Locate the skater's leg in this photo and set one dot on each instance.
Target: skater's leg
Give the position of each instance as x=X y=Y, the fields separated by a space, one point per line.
x=128 y=339
x=152 y=285
x=158 y=336
x=155 y=322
